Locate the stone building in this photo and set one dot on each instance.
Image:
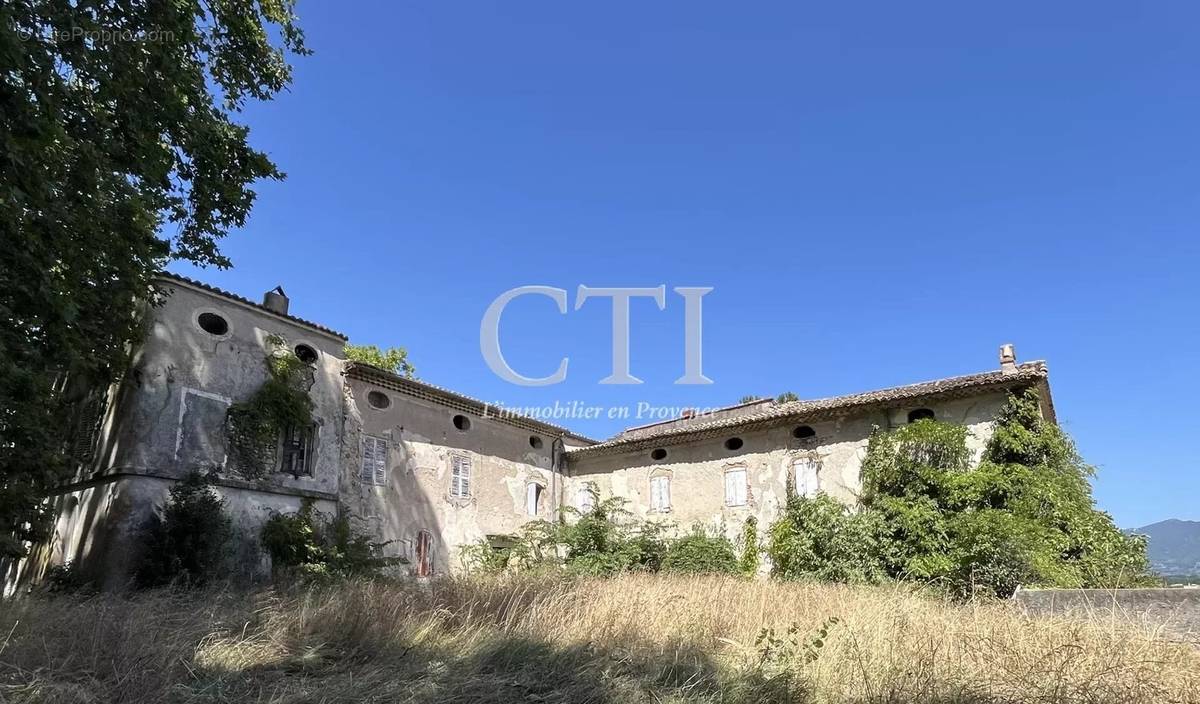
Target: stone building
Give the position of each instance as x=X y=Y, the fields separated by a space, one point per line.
x=429 y=469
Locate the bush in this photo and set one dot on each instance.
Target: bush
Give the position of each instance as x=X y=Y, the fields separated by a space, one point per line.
x=188 y=543
x=818 y=538
x=700 y=553
x=311 y=544
x=748 y=562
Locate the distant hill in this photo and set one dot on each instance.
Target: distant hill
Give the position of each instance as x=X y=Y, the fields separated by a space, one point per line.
x=1174 y=546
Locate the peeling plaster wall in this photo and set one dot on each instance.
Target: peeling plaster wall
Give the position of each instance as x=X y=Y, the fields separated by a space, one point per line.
x=421 y=440
x=697 y=468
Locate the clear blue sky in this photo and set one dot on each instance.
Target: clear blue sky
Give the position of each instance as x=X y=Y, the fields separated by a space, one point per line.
x=879 y=193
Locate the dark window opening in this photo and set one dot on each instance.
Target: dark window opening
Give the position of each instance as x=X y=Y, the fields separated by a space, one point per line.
x=920 y=414
x=804 y=432
x=535 y=442
x=306 y=354
x=379 y=400
x=733 y=444
x=212 y=324
x=424 y=554
x=297 y=451
x=462 y=422
x=659 y=454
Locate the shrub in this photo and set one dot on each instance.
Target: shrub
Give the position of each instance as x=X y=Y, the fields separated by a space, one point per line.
x=748 y=562
x=313 y=545
x=700 y=553
x=187 y=543
x=818 y=538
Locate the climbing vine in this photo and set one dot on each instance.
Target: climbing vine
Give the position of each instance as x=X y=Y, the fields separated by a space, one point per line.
x=253 y=426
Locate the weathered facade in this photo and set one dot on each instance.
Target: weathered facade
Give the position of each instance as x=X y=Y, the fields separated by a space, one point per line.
x=430 y=470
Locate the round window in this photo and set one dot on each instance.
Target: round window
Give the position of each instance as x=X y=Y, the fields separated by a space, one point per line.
x=733 y=444
x=535 y=442
x=212 y=323
x=462 y=422
x=379 y=400
x=306 y=354
x=659 y=454
x=804 y=432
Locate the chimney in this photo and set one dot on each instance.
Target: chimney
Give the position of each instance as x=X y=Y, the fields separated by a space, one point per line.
x=276 y=300
x=1008 y=359
x=687 y=414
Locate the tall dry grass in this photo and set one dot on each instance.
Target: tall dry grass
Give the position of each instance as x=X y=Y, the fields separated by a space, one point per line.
x=549 y=639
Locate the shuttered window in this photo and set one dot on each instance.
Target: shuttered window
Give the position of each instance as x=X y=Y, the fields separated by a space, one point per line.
x=660 y=493
x=735 y=486
x=460 y=476
x=533 y=498
x=585 y=500
x=374 y=460
x=807 y=473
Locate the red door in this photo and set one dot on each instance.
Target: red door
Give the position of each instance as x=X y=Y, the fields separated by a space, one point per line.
x=424 y=554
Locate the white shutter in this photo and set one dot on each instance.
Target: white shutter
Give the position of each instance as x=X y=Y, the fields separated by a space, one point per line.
x=735 y=487
x=368 y=459
x=531 y=498
x=381 y=457
x=808 y=481
x=460 y=476
x=374 y=460
x=660 y=493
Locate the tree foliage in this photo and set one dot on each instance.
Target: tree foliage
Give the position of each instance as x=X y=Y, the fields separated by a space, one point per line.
x=188 y=541
x=393 y=359
x=118 y=153
x=312 y=545
x=1023 y=515
x=254 y=425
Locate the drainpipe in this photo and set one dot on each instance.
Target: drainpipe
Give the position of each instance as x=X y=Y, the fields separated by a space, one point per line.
x=556 y=449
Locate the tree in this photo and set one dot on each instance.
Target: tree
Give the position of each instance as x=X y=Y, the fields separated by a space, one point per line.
x=786 y=397
x=394 y=359
x=188 y=542
x=118 y=153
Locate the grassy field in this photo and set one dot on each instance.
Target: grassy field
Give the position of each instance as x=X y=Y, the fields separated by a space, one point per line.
x=636 y=638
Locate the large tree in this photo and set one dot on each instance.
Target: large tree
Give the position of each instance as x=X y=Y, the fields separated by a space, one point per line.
x=119 y=151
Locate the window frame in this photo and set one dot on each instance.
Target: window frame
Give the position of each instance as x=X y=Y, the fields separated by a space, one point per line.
x=808 y=462
x=660 y=498
x=308 y=437
x=460 y=476
x=533 y=497
x=730 y=472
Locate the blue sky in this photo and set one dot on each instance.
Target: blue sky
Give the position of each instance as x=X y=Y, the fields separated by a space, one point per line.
x=878 y=193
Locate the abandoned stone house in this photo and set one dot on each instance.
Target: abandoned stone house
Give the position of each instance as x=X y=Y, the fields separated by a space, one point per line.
x=429 y=469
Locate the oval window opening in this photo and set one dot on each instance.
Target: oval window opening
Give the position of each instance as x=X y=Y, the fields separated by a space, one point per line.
x=659 y=454
x=462 y=422
x=535 y=442
x=920 y=414
x=733 y=444
x=379 y=400
x=306 y=354
x=804 y=432
x=212 y=324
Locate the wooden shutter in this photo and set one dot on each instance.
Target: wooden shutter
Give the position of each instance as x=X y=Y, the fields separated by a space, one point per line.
x=374 y=460
x=735 y=487
x=368 y=459
x=381 y=457
x=460 y=476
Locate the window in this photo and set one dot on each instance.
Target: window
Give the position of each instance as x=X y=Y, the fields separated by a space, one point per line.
x=379 y=400
x=733 y=444
x=535 y=442
x=804 y=432
x=533 y=498
x=306 y=354
x=660 y=493
x=920 y=414
x=659 y=454
x=585 y=498
x=460 y=476
x=807 y=474
x=463 y=423
x=296 y=450
x=212 y=324
x=736 y=487
x=374 y=460
x=424 y=552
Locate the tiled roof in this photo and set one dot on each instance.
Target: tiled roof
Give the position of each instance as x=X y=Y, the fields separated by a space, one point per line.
x=169 y=276
x=1026 y=374
x=453 y=399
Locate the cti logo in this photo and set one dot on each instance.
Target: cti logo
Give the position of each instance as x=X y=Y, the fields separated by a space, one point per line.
x=489 y=331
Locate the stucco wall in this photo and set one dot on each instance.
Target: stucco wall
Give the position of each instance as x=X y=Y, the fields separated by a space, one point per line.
x=697 y=469
x=422 y=439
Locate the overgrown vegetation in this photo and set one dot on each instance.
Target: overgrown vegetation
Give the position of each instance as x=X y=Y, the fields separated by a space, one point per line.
x=119 y=155
x=311 y=545
x=393 y=359
x=564 y=640
x=254 y=426
x=188 y=541
x=1024 y=515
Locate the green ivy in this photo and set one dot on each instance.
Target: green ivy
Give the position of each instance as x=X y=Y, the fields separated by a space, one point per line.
x=253 y=426
x=311 y=545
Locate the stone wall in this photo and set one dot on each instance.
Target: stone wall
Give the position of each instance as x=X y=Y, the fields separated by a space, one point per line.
x=1175 y=611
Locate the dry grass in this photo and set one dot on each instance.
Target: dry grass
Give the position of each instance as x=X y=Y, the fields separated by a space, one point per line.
x=636 y=638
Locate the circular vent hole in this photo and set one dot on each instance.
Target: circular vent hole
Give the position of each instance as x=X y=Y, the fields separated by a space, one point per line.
x=535 y=442
x=212 y=324
x=733 y=444
x=920 y=414
x=804 y=432
x=659 y=454
x=462 y=422
x=306 y=354
x=379 y=400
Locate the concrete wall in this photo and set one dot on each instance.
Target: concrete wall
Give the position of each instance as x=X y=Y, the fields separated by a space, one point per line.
x=422 y=440
x=1175 y=611
x=697 y=468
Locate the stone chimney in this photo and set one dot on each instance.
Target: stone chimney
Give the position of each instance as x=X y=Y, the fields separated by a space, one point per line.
x=687 y=414
x=1008 y=359
x=276 y=300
